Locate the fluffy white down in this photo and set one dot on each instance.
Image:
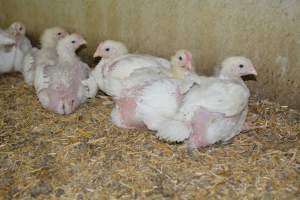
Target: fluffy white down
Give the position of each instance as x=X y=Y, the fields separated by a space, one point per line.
x=7 y=59
x=23 y=48
x=223 y=129
x=29 y=66
x=216 y=95
x=97 y=77
x=173 y=130
x=116 y=119
x=112 y=75
x=226 y=100
x=158 y=102
x=91 y=86
x=125 y=65
x=45 y=57
x=6 y=39
x=12 y=59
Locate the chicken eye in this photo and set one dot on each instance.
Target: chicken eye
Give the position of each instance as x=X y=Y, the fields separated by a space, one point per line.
x=73 y=41
x=107 y=49
x=241 y=66
x=20 y=28
x=180 y=58
x=59 y=33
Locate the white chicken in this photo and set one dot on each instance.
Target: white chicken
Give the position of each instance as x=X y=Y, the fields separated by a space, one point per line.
x=14 y=45
x=215 y=110
x=151 y=96
x=117 y=65
x=181 y=71
x=64 y=92
x=37 y=59
x=6 y=39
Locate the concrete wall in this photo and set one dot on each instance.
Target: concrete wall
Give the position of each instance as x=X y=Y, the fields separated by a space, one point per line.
x=267 y=31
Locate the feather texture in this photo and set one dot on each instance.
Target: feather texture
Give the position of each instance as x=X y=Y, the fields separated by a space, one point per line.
x=14 y=46
x=213 y=110
x=63 y=90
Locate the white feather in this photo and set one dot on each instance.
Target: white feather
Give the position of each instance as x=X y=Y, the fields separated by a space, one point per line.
x=158 y=102
x=6 y=39
x=12 y=57
x=125 y=65
x=45 y=57
x=29 y=66
x=216 y=95
x=112 y=75
x=91 y=86
x=7 y=58
x=173 y=130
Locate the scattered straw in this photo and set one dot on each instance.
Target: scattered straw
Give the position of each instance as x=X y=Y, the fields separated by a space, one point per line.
x=83 y=156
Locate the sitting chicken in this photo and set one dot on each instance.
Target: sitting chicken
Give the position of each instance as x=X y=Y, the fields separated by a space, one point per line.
x=116 y=65
x=36 y=59
x=6 y=39
x=151 y=96
x=181 y=70
x=64 y=92
x=14 y=45
x=214 y=110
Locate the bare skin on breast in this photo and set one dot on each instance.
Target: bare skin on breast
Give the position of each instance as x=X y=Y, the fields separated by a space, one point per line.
x=127 y=108
x=198 y=123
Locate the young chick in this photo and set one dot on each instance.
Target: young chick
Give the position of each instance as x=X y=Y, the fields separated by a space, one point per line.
x=64 y=92
x=181 y=64
x=215 y=110
x=181 y=71
x=37 y=59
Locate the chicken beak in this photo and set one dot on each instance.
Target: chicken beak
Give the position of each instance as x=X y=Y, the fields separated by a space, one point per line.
x=253 y=71
x=189 y=66
x=97 y=52
x=83 y=42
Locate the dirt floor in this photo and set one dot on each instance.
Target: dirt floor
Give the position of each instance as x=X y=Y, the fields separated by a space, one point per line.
x=83 y=156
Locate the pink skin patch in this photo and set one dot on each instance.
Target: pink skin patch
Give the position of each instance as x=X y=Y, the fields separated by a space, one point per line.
x=199 y=127
x=127 y=108
x=62 y=99
x=188 y=57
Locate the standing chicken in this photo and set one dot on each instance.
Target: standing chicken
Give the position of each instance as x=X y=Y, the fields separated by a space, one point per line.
x=151 y=95
x=117 y=65
x=215 y=110
x=64 y=91
x=12 y=53
x=36 y=60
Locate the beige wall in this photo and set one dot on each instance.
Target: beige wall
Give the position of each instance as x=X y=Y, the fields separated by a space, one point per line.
x=267 y=31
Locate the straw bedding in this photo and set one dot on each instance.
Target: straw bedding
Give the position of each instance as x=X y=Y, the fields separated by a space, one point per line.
x=83 y=156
